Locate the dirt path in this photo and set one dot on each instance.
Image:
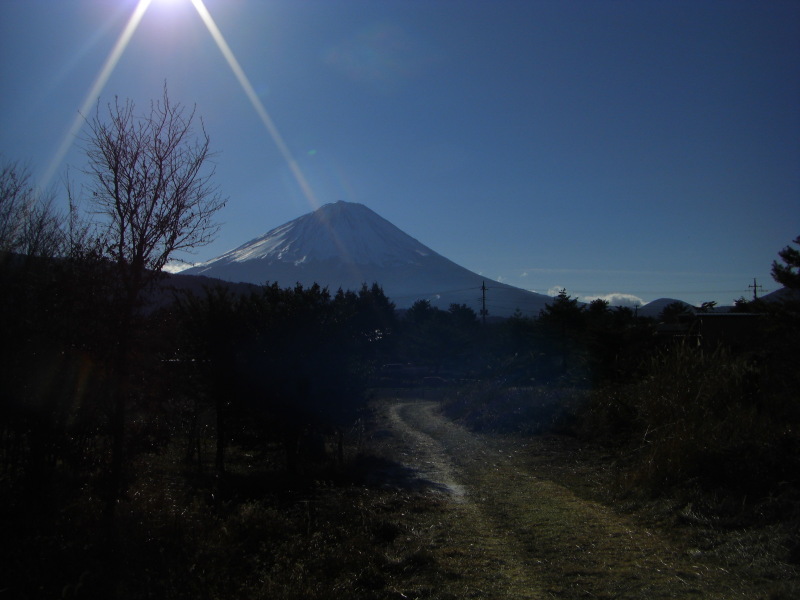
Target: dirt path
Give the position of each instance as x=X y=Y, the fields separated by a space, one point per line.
x=522 y=536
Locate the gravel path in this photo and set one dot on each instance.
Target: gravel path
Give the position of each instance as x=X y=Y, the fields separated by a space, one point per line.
x=532 y=538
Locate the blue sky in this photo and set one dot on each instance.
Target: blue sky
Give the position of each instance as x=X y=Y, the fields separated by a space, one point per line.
x=649 y=148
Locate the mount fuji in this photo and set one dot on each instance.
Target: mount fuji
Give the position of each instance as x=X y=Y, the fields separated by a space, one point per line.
x=345 y=245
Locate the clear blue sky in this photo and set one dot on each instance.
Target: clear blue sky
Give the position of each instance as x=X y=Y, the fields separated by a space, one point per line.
x=643 y=147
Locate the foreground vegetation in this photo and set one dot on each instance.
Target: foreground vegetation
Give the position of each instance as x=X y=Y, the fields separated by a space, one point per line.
x=248 y=466
x=701 y=424
x=257 y=533
x=697 y=435
x=157 y=442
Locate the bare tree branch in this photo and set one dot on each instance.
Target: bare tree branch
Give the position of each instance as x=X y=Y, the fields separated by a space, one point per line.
x=29 y=222
x=153 y=182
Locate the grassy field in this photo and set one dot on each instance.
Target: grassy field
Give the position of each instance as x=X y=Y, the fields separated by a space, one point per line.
x=372 y=528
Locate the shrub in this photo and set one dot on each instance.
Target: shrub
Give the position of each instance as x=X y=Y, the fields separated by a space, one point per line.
x=701 y=418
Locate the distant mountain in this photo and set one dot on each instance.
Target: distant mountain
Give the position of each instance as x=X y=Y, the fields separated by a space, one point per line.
x=654 y=309
x=783 y=294
x=345 y=244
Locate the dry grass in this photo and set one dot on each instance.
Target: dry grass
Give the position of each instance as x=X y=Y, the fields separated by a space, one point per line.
x=537 y=527
x=539 y=514
x=707 y=426
x=258 y=533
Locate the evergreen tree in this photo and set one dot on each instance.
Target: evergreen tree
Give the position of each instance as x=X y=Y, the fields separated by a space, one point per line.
x=674 y=312
x=788 y=273
x=564 y=313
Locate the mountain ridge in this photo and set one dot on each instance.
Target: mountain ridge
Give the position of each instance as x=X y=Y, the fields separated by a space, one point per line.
x=348 y=228
x=345 y=245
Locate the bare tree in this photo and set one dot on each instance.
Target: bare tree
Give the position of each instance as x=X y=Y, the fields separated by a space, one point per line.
x=29 y=223
x=13 y=184
x=151 y=181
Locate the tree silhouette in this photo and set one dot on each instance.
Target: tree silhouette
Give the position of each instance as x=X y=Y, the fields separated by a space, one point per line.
x=564 y=313
x=29 y=224
x=788 y=273
x=151 y=182
x=674 y=312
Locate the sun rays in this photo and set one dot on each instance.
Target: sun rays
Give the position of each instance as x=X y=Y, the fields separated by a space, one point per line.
x=256 y=102
x=114 y=57
x=97 y=87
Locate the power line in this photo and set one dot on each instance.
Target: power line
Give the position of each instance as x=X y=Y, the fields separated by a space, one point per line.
x=434 y=293
x=484 y=301
x=484 y=312
x=634 y=292
x=755 y=287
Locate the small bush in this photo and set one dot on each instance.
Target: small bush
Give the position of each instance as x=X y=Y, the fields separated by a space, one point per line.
x=701 y=418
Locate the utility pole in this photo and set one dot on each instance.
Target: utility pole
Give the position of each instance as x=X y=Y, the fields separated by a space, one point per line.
x=484 y=312
x=755 y=287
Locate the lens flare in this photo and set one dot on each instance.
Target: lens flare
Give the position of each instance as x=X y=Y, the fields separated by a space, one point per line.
x=266 y=119
x=97 y=87
x=256 y=102
x=216 y=34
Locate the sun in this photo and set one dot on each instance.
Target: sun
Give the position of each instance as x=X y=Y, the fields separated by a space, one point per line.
x=119 y=48
x=170 y=8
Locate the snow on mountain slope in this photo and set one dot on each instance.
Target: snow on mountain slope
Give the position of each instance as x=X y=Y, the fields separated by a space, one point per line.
x=343 y=230
x=344 y=245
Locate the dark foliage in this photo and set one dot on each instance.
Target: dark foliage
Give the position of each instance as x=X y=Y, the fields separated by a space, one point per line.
x=279 y=374
x=710 y=415
x=239 y=407
x=787 y=272
x=286 y=362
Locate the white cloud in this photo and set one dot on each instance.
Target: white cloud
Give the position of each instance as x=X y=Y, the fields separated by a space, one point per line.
x=617 y=299
x=176 y=266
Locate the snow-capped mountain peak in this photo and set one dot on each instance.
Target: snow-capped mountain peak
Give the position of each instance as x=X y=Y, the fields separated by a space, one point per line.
x=345 y=231
x=345 y=245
